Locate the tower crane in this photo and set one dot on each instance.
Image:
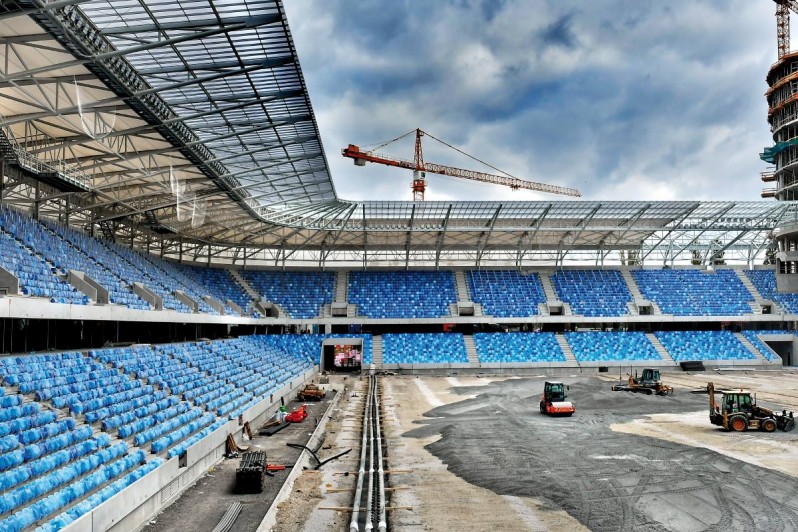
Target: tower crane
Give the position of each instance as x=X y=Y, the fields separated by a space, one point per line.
x=783 y=8
x=420 y=167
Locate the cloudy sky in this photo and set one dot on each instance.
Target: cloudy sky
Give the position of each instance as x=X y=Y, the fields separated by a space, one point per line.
x=623 y=99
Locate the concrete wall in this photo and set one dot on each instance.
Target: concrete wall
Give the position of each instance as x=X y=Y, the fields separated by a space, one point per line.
x=545 y=368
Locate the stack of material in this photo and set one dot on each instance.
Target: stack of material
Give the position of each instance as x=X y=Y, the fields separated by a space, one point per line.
x=251 y=472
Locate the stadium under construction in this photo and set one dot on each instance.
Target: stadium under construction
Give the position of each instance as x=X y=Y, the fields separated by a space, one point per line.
x=176 y=265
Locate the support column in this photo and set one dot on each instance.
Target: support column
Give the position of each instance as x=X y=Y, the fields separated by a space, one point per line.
x=36 y=202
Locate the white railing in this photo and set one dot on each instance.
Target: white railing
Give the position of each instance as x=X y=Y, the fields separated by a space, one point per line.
x=32 y=163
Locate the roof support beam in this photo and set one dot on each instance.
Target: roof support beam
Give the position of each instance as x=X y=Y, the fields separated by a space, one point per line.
x=409 y=236
x=526 y=237
x=79 y=139
x=485 y=236
x=717 y=217
x=683 y=217
x=47 y=80
x=366 y=237
x=583 y=224
x=161 y=27
x=631 y=221
x=440 y=238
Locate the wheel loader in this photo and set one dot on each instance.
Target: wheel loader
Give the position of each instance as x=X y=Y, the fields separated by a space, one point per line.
x=739 y=412
x=553 y=401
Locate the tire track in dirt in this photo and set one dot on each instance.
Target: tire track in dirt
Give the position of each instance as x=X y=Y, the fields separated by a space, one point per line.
x=609 y=481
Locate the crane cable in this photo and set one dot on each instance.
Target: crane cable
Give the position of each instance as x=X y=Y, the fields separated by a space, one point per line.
x=471 y=156
x=400 y=137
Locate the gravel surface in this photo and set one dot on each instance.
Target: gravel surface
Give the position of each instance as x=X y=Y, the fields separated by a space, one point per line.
x=607 y=480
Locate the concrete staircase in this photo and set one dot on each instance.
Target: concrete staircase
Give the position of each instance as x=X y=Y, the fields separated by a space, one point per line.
x=751 y=347
x=666 y=357
x=341 y=287
x=462 y=286
x=632 y=284
x=756 y=308
x=570 y=359
x=637 y=295
x=376 y=351
x=551 y=295
x=251 y=292
x=548 y=287
x=471 y=350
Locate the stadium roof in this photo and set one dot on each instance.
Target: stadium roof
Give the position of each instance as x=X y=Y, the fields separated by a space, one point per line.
x=185 y=127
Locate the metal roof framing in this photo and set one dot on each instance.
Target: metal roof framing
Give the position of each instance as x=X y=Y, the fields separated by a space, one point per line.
x=211 y=93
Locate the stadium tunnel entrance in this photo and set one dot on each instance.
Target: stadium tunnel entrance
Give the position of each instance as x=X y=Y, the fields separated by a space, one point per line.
x=341 y=355
x=783 y=348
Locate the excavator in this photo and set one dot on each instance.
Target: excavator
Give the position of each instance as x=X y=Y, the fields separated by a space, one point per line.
x=553 y=402
x=649 y=383
x=739 y=412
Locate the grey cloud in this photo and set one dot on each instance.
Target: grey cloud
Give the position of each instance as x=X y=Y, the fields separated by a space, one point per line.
x=624 y=99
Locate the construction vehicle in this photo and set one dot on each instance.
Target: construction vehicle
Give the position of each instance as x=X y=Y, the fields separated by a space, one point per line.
x=553 y=402
x=649 y=383
x=420 y=167
x=310 y=392
x=739 y=412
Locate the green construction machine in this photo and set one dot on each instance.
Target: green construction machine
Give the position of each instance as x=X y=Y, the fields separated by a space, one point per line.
x=648 y=383
x=738 y=412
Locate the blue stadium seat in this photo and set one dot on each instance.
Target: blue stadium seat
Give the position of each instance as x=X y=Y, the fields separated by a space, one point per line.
x=691 y=292
x=301 y=294
x=593 y=293
x=594 y=346
x=506 y=293
x=402 y=294
x=424 y=348
x=493 y=348
x=703 y=345
x=765 y=283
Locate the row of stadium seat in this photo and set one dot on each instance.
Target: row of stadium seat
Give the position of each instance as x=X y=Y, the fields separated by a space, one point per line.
x=590 y=346
x=49 y=460
x=41 y=253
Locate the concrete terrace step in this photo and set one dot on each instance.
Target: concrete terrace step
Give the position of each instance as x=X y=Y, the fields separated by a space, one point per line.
x=756 y=308
x=462 y=286
x=666 y=357
x=748 y=284
x=570 y=359
x=548 y=287
x=342 y=287
x=376 y=351
x=471 y=351
x=251 y=292
x=748 y=345
x=631 y=284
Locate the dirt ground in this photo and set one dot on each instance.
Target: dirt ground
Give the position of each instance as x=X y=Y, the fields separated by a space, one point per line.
x=622 y=462
x=475 y=454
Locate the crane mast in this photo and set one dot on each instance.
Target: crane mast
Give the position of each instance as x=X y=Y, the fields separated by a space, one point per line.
x=783 y=8
x=420 y=168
